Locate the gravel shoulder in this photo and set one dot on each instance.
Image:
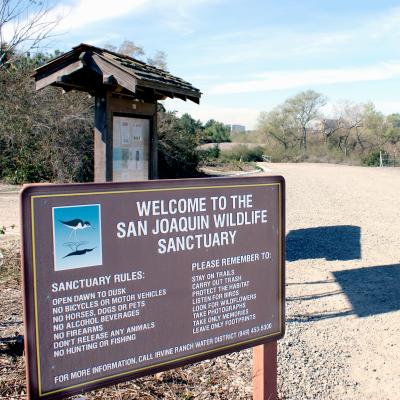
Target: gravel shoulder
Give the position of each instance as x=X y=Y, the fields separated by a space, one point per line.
x=9 y=211
x=343 y=297
x=343 y=273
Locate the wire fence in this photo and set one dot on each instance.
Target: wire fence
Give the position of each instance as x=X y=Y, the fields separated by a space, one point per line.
x=388 y=160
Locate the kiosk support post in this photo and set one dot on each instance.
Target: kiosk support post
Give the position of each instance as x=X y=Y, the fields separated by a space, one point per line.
x=265 y=372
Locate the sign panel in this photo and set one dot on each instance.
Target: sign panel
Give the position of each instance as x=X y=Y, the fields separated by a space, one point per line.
x=126 y=279
x=130 y=148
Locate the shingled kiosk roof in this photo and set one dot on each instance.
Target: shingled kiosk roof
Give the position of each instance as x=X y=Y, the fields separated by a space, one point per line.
x=89 y=68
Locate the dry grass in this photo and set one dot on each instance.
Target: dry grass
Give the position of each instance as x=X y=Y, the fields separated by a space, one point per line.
x=10 y=263
x=12 y=367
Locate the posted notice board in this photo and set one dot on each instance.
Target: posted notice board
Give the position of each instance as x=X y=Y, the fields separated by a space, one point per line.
x=125 y=279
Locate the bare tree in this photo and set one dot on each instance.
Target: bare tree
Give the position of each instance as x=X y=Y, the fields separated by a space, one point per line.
x=131 y=49
x=279 y=125
x=303 y=108
x=350 y=116
x=159 y=60
x=24 y=26
x=329 y=127
x=128 y=48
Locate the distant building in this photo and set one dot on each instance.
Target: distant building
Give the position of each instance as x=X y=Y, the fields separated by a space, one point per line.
x=238 y=128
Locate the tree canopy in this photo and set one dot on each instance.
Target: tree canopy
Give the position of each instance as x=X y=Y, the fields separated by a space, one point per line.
x=354 y=130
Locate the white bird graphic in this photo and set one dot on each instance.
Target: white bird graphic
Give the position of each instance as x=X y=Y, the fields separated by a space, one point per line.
x=74 y=225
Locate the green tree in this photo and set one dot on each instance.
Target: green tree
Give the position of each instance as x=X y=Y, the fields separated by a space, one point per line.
x=288 y=123
x=301 y=109
x=215 y=132
x=178 y=156
x=190 y=125
x=279 y=125
x=393 y=128
x=375 y=127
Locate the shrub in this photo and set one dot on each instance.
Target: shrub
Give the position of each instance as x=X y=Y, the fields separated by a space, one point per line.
x=373 y=158
x=177 y=154
x=245 y=154
x=44 y=136
x=215 y=132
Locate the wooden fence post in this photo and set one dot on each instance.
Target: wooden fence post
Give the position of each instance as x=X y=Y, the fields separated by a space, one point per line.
x=265 y=372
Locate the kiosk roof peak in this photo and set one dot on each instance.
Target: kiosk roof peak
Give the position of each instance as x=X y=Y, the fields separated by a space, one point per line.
x=93 y=69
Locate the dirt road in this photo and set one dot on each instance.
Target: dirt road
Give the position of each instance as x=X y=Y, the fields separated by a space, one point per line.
x=343 y=289
x=9 y=212
x=343 y=283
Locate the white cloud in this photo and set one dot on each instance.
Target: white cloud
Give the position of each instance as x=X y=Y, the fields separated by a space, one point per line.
x=280 y=80
x=77 y=14
x=178 y=14
x=266 y=44
x=85 y=12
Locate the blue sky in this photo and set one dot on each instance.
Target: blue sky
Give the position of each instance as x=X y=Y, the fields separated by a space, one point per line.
x=248 y=56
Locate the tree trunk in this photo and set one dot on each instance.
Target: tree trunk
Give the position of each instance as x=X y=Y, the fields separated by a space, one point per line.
x=305 y=139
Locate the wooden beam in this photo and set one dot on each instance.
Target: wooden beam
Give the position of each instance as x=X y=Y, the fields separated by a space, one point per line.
x=181 y=96
x=101 y=135
x=52 y=78
x=174 y=90
x=122 y=77
x=86 y=58
x=265 y=371
x=194 y=99
x=109 y=80
x=66 y=83
x=154 y=146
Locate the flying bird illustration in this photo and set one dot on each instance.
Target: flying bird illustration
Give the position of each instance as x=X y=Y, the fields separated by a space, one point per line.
x=76 y=224
x=79 y=252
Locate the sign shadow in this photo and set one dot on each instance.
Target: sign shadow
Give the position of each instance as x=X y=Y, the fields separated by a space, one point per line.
x=339 y=242
x=371 y=290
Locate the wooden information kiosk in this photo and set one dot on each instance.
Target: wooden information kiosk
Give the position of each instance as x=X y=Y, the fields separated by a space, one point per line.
x=126 y=92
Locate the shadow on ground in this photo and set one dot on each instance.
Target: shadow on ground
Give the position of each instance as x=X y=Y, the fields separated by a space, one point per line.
x=370 y=290
x=340 y=242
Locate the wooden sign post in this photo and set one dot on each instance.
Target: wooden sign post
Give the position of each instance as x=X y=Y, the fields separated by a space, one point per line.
x=265 y=371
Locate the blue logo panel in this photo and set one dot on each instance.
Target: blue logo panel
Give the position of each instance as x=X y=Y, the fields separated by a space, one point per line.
x=77 y=236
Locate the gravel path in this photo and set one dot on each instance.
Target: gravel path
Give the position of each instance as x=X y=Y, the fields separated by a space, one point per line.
x=343 y=290
x=343 y=295
x=9 y=211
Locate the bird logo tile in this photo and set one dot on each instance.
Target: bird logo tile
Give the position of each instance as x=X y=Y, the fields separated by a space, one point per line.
x=77 y=236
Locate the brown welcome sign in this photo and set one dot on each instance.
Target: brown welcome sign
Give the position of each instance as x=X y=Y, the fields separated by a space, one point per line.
x=126 y=279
